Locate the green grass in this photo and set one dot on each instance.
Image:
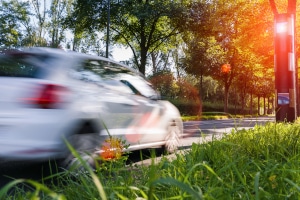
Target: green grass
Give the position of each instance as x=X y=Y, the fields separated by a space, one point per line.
x=261 y=163
x=207 y=116
x=213 y=116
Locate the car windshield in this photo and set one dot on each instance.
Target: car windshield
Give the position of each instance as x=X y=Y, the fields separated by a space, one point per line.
x=22 y=65
x=106 y=70
x=138 y=84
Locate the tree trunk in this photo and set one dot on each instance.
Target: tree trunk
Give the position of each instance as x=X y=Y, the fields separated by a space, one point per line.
x=226 y=98
x=273 y=7
x=176 y=58
x=144 y=49
x=154 y=62
x=269 y=105
x=264 y=98
x=142 y=67
x=258 y=105
x=201 y=88
x=251 y=104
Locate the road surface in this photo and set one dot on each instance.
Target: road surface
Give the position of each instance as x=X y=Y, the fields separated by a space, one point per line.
x=200 y=131
x=194 y=130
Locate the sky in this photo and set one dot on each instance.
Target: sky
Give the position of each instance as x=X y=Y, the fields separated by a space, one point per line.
x=121 y=54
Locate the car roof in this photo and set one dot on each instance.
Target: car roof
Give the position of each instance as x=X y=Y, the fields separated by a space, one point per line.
x=60 y=52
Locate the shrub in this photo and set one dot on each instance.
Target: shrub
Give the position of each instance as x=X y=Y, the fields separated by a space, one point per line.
x=187 y=107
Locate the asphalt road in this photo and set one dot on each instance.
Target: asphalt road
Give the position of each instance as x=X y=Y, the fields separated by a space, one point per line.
x=195 y=130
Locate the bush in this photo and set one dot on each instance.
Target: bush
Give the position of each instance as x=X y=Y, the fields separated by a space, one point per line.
x=180 y=92
x=232 y=109
x=188 y=107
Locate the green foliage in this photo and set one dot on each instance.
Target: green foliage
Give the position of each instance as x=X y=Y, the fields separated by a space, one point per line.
x=187 y=107
x=180 y=92
x=164 y=83
x=234 y=35
x=32 y=23
x=207 y=116
x=244 y=163
x=40 y=191
x=218 y=106
x=12 y=13
x=143 y=26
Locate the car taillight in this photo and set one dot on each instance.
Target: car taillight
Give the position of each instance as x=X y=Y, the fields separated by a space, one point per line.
x=48 y=96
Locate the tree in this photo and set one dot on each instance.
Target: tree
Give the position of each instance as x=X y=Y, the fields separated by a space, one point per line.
x=201 y=56
x=210 y=44
x=57 y=14
x=164 y=82
x=80 y=21
x=160 y=61
x=142 y=25
x=201 y=52
x=245 y=37
x=32 y=23
x=232 y=36
x=145 y=26
x=12 y=14
x=179 y=91
x=39 y=9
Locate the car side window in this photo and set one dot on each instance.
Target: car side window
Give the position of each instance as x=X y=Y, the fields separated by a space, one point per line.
x=116 y=77
x=84 y=73
x=133 y=80
x=140 y=86
x=23 y=65
x=103 y=73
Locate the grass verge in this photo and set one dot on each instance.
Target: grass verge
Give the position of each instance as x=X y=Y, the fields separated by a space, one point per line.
x=214 y=116
x=207 y=116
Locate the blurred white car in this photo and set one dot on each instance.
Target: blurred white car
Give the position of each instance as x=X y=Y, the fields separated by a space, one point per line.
x=48 y=96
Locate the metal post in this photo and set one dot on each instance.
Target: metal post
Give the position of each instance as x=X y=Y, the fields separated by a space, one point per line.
x=284 y=64
x=107 y=28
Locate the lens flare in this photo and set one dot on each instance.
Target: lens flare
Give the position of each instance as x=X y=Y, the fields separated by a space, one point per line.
x=225 y=68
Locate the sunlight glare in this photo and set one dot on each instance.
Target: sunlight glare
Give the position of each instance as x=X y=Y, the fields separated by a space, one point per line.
x=281 y=27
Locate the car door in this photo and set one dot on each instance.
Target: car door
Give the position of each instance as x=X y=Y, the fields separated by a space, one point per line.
x=117 y=105
x=148 y=126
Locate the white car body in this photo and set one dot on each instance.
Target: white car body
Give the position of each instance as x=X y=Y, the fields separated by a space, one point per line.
x=61 y=95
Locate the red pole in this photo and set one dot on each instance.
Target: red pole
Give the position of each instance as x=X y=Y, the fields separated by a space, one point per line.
x=285 y=83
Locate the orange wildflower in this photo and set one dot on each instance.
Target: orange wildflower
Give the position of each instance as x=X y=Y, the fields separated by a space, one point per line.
x=111 y=149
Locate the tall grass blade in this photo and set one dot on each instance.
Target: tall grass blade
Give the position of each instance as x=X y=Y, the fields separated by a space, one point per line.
x=212 y=171
x=46 y=190
x=182 y=186
x=256 y=185
x=9 y=186
x=241 y=179
x=293 y=184
x=93 y=175
x=141 y=191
